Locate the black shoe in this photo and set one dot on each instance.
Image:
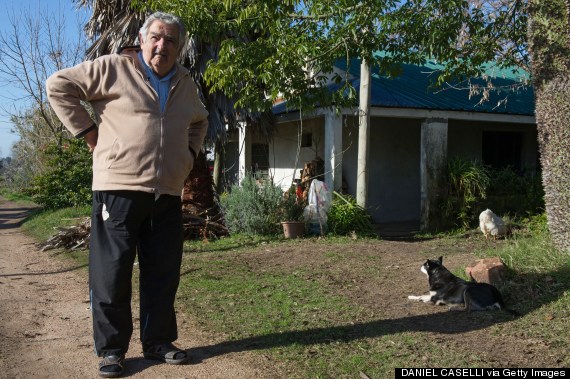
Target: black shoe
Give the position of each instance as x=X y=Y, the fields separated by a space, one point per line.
x=112 y=366
x=166 y=353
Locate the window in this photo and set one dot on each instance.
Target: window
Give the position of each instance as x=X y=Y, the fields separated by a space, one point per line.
x=260 y=159
x=307 y=140
x=502 y=149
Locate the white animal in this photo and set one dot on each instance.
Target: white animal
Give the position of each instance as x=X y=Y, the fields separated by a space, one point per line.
x=491 y=224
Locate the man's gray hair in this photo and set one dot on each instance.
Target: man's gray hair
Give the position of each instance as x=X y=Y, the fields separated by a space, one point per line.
x=168 y=19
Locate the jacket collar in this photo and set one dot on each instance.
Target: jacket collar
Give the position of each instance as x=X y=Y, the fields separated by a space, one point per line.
x=132 y=51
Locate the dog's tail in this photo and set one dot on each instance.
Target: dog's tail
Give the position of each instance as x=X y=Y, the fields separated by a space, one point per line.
x=502 y=305
x=504 y=308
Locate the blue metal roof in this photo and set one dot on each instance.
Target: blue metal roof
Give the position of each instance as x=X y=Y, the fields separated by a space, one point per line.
x=414 y=89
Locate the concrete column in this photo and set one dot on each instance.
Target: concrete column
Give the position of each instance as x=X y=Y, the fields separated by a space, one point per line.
x=333 y=150
x=363 y=135
x=244 y=151
x=433 y=171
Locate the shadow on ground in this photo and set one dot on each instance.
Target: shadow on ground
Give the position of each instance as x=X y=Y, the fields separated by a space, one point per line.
x=11 y=218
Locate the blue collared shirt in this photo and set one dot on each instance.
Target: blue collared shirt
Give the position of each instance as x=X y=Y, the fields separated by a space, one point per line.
x=160 y=85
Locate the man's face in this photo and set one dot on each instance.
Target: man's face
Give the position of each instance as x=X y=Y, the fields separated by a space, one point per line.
x=160 y=47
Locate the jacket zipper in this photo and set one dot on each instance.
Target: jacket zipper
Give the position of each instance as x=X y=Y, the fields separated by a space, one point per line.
x=160 y=163
x=162 y=117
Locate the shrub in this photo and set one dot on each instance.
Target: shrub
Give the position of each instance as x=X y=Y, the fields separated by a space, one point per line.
x=516 y=193
x=252 y=207
x=474 y=187
x=468 y=183
x=67 y=181
x=346 y=216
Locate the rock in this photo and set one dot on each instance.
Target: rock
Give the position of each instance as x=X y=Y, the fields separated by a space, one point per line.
x=488 y=270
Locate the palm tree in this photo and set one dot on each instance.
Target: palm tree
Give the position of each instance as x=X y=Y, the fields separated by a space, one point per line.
x=114 y=24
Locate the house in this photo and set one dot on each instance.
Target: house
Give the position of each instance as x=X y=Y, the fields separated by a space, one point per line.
x=414 y=129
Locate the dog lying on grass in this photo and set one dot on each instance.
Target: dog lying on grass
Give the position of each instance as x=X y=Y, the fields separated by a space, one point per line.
x=448 y=289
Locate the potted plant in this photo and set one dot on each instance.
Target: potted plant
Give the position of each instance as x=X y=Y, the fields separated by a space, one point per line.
x=291 y=212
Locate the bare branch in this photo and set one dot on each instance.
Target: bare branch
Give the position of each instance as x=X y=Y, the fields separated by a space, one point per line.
x=33 y=46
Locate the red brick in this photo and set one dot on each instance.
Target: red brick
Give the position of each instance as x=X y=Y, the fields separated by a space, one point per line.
x=488 y=270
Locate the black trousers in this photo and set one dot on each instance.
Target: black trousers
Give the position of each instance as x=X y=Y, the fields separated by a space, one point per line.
x=123 y=224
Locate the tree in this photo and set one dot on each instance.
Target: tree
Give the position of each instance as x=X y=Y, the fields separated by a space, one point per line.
x=287 y=48
x=273 y=48
x=549 y=46
x=33 y=46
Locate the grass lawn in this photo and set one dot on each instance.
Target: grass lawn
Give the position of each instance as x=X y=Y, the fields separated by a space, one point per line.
x=338 y=308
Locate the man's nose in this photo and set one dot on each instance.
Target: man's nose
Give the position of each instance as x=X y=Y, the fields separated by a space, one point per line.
x=160 y=43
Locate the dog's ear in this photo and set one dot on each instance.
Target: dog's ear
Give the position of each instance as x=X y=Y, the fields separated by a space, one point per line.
x=440 y=260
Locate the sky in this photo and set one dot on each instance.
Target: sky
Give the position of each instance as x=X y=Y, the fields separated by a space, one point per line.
x=16 y=7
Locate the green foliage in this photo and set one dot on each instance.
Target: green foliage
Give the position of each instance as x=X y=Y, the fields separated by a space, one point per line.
x=515 y=193
x=68 y=176
x=474 y=187
x=291 y=208
x=274 y=48
x=548 y=39
x=43 y=43
x=27 y=161
x=537 y=226
x=468 y=183
x=346 y=216
x=11 y=195
x=253 y=207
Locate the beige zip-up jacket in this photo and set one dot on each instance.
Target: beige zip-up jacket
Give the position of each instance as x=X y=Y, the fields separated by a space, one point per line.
x=140 y=148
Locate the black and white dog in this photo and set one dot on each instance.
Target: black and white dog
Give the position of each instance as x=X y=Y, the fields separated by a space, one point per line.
x=448 y=289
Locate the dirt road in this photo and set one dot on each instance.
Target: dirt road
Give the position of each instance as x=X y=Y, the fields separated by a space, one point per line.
x=45 y=322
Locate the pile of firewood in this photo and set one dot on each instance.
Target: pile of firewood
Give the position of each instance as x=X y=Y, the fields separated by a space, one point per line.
x=71 y=238
x=204 y=228
x=77 y=236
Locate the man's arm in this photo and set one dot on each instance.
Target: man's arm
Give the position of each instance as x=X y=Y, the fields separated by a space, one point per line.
x=196 y=134
x=198 y=125
x=66 y=89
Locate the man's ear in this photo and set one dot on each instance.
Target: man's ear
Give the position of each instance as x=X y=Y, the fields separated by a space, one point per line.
x=141 y=41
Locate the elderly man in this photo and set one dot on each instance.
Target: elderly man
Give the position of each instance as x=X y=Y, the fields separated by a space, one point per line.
x=150 y=127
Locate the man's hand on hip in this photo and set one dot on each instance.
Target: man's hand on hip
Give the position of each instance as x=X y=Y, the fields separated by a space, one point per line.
x=91 y=138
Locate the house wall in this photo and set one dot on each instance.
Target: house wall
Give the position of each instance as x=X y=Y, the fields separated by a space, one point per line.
x=394 y=176
x=394 y=188
x=283 y=151
x=394 y=179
